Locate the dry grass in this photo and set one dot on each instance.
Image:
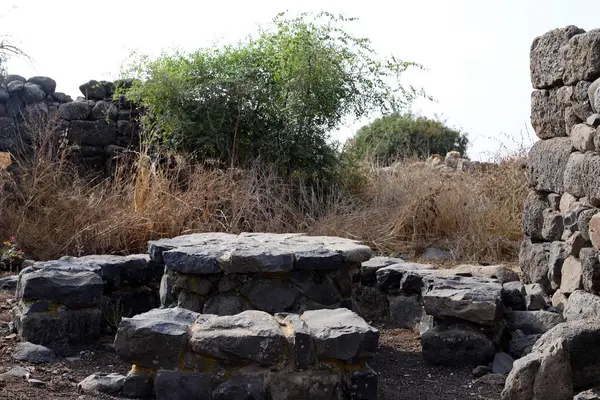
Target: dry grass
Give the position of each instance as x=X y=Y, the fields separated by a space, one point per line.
x=53 y=210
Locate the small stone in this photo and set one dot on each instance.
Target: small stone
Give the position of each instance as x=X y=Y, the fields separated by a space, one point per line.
x=36 y=382
x=15 y=373
x=576 y=242
x=571 y=275
x=102 y=383
x=33 y=353
x=559 y=300
x=535 y=298
x=513 y=295
x=521 y=344
x=554 y=201
x=594 y=120
x=502 y=363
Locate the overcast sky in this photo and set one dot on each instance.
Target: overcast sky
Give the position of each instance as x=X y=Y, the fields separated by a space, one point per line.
x=477 y=51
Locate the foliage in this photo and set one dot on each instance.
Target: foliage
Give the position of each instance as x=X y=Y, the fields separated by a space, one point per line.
x=273 y=97
x=10 y=254
x=401 y=135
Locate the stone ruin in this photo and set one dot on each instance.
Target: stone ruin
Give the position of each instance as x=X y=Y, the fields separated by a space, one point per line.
x=100 y=126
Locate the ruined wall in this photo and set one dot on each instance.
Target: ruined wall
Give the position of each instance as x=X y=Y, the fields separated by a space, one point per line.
x=100 y=126
x=561 y=221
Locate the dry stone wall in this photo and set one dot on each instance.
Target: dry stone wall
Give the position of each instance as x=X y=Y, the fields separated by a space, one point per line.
x=98 y=124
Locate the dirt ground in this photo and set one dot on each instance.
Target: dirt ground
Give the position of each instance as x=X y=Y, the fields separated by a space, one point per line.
x=403 y=374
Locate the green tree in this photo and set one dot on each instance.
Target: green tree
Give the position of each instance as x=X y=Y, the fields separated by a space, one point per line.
x=401 y=135
x=273 y=97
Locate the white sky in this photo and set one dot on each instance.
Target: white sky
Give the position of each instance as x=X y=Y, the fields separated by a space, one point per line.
x=477 y=51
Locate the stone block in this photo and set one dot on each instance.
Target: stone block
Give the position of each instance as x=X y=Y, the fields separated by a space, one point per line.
x=546 y=164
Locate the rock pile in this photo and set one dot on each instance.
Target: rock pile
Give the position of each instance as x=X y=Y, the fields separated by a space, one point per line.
x=559 y=256
x=99 y=125
x=225 y=274
x=65 y=304
x=180 y=354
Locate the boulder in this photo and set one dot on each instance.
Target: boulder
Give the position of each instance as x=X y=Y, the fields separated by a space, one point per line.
x=104 y=110
x=552 y=228
x=582 y=305
x=48 y=85
x=15 y=86
x=535 y=297
x=456 y=345
x=74 y=289
x=405 y=311
x=33 y=353
x=582 y=137
x=181 y=385
x=370 y=268
x=157 y=338
x=521 y=344
x=582 y=62
x=579 y=176
x=546 y=63
x=582 y=337
x=32 y=93
x=590 y=269
x=533 y=322
x=9 y=283
x=341 y=334
x=469 y=299
x=74 y=111
x=61 y=97
x=513 y=295
x=547 y=114
x=545 y=374
x=251 y=335
x=546 y=164
x=102 y=383
x=270 y=295
x=571 y=275
x=94 y=90
x=502 y=364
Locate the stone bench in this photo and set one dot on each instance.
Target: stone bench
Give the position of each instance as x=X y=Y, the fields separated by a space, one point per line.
x=65 y=304
x=180 y=354
x=224 y=274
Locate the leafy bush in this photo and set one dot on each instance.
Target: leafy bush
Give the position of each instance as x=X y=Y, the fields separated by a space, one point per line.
x=273 y=97
x=398 y=136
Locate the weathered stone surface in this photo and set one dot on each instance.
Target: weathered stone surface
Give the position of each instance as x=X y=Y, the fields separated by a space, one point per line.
x=436 y=254
x=63 y=330
x=139 y=384
x=521 y=344
x=373 y=303
x=576 y=242
x=554 y=201
x=15 y=86
x=391 y=278
x=321 y=289
x=533 y=322
x=559 y=251
x=571 y=118
x=456 y=345
x=580 y=91
x=271 y=259
x=74 y=111
x=250 y=335
x=535 y=297
x=559 y=300
x=104 y=110
x=546 y=164
x=102 y=383
x=582 y=110
x=156 y=338
x=94 y=90
x=74 y=289
x=270 y=295
x=582 y=62
x=180 y=385
x=4 y=95
x=226 y=305
x=547 y=64
x=590 y=270
x=594 y=230
x=566 y=203
x=370 y=268
x=552 y=228
x=32 y=93
x=534 y=263
x=547 y=114
x=583 y=222
x=470 y=299
x=241 y=388
x=571 y=217
x=582 y=137
x=305 y=385
x=33 y=353
x=193 y=260
x=513 y=295
x=502 y=363
x=579 y=177
x=47 y=84
x=545 y=374
x=571 y=275
x=341 y=334
x=497 y=272
x=592 y=394
x=92 y=133
x=405 y=311
x=304 y=351
x=582 y=337
x=582 y=305
x=9 y=283
x=593 y=120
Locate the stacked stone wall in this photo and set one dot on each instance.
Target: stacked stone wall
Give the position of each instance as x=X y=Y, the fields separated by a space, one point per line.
x=99 y=125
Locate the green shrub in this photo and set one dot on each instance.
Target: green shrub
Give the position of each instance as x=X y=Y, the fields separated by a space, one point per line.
x=273 y=97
